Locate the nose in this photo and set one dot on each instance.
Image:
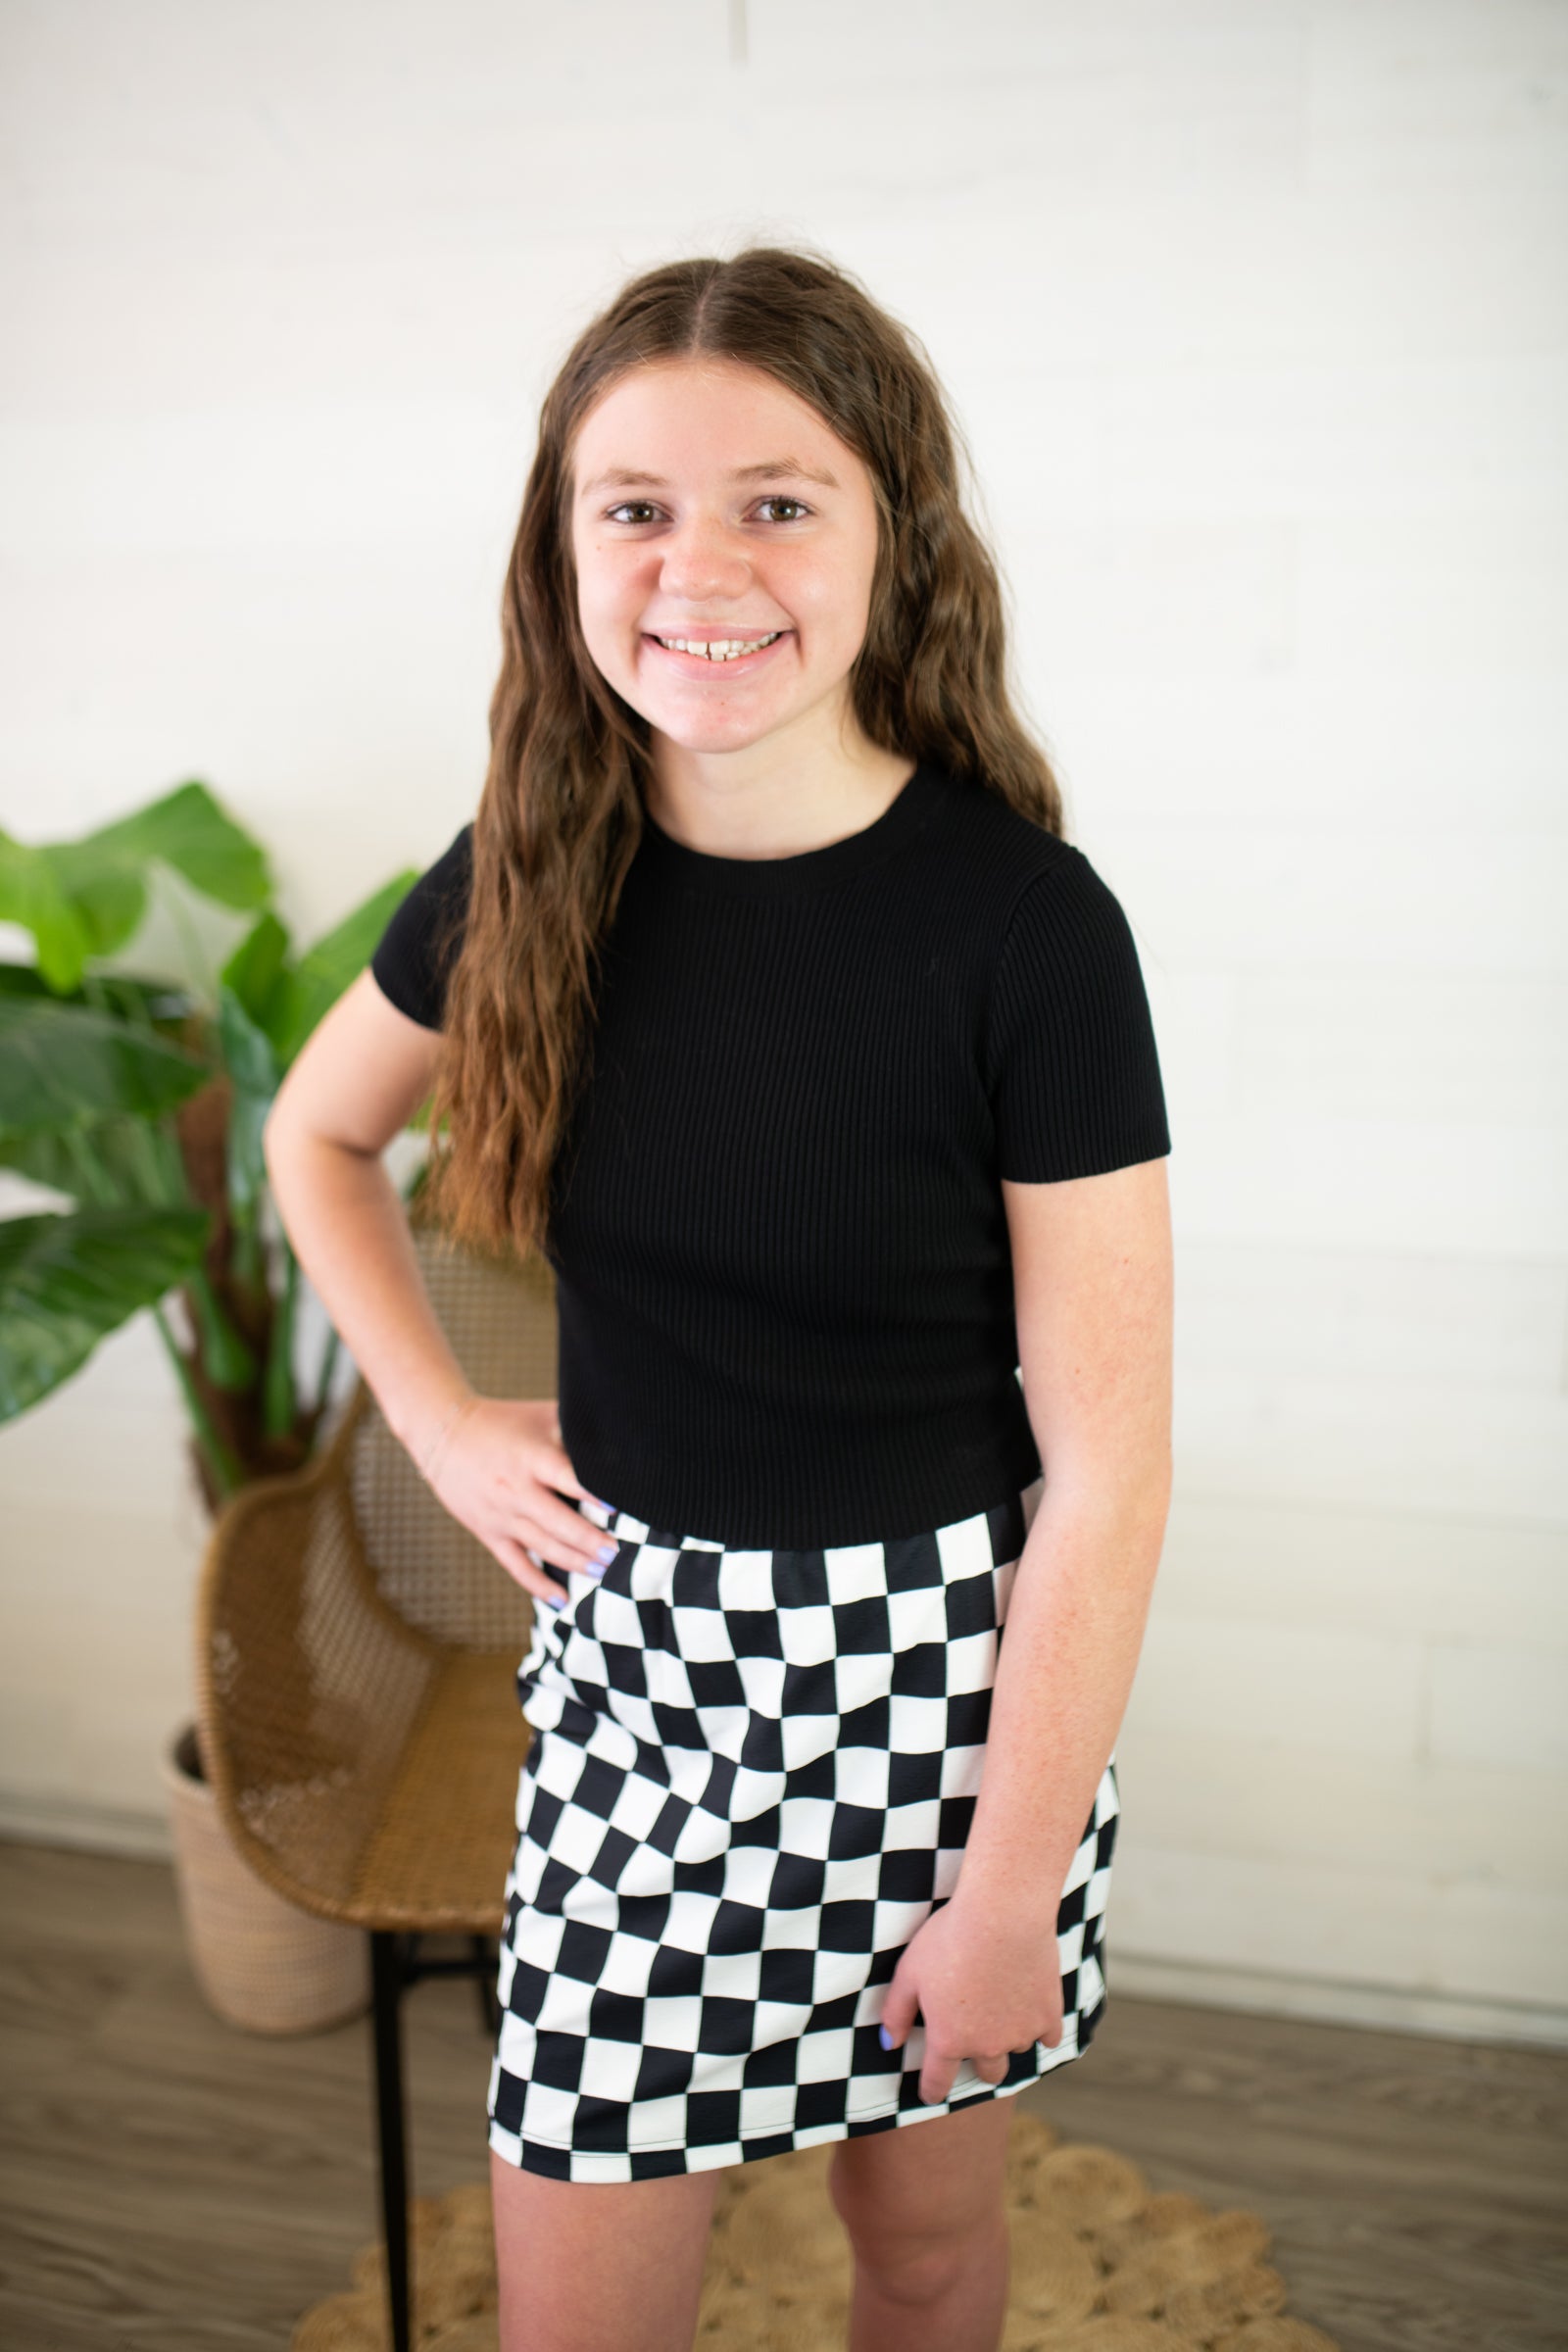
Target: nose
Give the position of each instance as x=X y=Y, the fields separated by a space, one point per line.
x=701 y=559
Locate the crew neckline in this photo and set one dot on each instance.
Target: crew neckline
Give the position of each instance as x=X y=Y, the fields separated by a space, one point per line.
x=802 y=869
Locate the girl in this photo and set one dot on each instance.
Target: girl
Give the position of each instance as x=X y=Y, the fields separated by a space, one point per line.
x=765 y=997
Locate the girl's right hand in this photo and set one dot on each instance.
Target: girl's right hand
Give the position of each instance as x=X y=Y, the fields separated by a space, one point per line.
x=498 y=1471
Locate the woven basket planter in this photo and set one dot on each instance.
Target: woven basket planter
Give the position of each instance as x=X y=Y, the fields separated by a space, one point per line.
x=261 y=1963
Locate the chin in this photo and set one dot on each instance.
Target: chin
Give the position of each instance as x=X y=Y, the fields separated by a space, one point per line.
x=693 y=735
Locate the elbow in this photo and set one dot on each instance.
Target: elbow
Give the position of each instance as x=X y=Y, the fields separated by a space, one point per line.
x=271 y=1132
x=1148 y=1479
x=277 y=1135
x=1129 y=1484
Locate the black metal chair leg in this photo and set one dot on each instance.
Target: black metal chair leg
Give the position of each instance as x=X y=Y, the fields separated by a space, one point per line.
x=487 y=1963
x=386 y=1983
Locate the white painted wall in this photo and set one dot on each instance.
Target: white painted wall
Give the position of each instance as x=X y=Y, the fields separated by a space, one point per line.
x=1255 y=314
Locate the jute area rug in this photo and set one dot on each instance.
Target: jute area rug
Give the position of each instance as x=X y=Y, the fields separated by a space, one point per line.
x=1099 y=2264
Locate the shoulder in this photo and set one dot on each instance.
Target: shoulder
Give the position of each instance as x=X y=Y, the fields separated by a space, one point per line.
x=1067 y=933
x=1008 y=864
x=450 y=877
x=1062 y=966
x=975 y=813
x=417 y=949
x=443 y=887
x=1070 y=1058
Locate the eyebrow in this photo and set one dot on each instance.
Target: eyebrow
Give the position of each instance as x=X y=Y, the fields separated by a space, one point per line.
x=623 y=478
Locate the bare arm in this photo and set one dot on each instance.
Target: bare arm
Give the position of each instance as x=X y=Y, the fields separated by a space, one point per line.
x=355 y=1087
x=497 y=1464
x=1093 y=1281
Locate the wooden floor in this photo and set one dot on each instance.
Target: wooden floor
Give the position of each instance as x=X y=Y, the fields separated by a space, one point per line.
x=172 y=2185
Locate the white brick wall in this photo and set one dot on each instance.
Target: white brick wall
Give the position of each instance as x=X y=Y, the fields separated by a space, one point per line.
x=1254 y=314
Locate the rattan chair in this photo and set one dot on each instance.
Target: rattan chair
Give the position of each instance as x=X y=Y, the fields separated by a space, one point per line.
x=357 y=1706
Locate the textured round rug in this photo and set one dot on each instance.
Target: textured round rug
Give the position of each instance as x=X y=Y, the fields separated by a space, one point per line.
x=1099 y=2264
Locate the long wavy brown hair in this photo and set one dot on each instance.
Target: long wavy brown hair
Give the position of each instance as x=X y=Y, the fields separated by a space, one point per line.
x=562 y=812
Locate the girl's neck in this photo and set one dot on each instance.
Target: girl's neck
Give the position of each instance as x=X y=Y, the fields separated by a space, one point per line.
x=731 y=806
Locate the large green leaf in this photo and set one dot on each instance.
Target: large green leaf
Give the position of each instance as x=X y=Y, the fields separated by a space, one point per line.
x=22 y=980
x=86 y=897
x=257 y=968
x=187 y=829
x=326 y=970
x=63 y=1066
x=65 y=1282
x=32 y=894
x=141 y=1002
x=113 y=1160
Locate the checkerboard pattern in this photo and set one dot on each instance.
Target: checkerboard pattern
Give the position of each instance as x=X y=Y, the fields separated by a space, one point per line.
x=753 y=1778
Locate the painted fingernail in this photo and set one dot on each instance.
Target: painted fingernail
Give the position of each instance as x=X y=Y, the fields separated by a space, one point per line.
x=606 y=1554
x=887 y=2043
x=553 y=1604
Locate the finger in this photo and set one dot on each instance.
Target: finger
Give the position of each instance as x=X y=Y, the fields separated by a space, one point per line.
x=527 y=1570
x=564 y=1478
x=937 y=2079
x=899 y=2009
x=991 y=2069
x=565 y=1537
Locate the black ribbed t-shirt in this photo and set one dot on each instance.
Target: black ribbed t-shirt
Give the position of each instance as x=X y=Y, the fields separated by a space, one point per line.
x=783 y=1277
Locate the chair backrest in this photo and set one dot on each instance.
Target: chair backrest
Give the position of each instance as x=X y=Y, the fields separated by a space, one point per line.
x=501 y=1322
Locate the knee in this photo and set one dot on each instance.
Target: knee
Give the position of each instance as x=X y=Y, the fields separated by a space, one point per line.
x=912 y=2261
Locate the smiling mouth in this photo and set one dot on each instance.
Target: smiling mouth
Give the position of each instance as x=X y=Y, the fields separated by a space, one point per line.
x=718 y=649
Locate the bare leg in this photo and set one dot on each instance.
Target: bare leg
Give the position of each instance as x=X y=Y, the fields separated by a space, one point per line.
x=583 y=2264
x=926 y=2213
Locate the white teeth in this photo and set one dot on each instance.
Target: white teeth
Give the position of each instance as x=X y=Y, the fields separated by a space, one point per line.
x=718 y=649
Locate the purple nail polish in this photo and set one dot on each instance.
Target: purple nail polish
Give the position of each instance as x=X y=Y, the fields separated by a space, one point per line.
x=883 y=2032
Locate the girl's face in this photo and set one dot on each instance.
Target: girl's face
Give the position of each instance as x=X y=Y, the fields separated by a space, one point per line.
x=713 y=507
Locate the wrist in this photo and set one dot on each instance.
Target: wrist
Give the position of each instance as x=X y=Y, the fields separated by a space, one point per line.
x=1013 y=1890
x=418 y=1422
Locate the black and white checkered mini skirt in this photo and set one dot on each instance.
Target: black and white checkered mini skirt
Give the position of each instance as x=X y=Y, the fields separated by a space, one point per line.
x=752 y=1779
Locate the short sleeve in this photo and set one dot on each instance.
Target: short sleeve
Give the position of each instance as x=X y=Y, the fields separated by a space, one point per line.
x=1072 y=1069
x=421 y=943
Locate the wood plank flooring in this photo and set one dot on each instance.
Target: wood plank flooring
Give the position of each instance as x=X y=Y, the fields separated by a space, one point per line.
x=169 y=2185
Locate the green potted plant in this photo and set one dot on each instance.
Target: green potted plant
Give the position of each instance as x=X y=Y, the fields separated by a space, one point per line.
x=140 y=1098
